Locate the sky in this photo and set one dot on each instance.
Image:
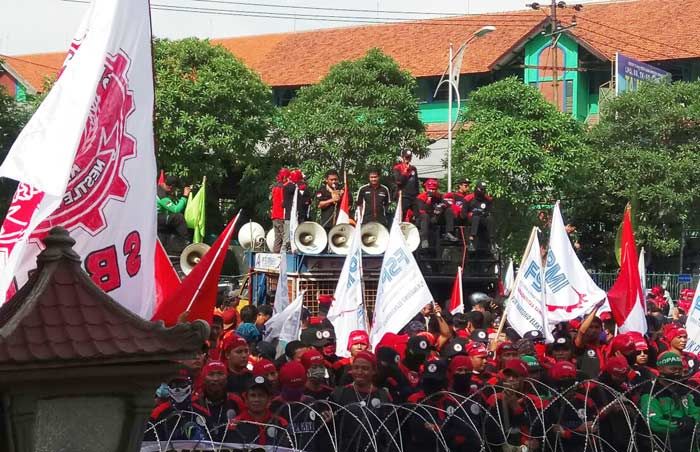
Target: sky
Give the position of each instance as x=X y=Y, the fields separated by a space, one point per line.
x=36 y=26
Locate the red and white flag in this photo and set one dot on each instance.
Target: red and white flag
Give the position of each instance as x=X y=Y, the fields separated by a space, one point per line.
x=197 y=292
x=626 y=296
x=457 y=298
x=85 y=161
x=344 y=214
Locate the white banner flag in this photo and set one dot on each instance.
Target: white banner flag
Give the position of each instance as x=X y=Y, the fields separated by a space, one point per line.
x=282 y=290
x=347 y=313
x=526 y=310
x=509 y=279
x=402 y=290
x=287 y=324
x=643 y=274
x=569 y=290
x=692 y=324
x=85 y=161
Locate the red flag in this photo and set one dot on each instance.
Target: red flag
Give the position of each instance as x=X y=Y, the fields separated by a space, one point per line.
x=167 y=280
x=626 y=296
x=457 y=299
x=161 y=179
x=344 y=214
x=197 y=293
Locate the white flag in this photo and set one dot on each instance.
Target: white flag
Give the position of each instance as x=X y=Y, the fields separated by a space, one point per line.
x=282 y=290
x=643 y=274
x=293 y=221
x=402 y=290
x=85 y=161
x=347 y=312
x=287 y=324
x=510 y=277
x=526 y=310
x=569 y=290
x=692 y=324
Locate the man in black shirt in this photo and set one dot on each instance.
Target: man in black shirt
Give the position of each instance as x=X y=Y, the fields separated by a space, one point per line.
x=407 y=184
x=328 y=200
x=374 y=198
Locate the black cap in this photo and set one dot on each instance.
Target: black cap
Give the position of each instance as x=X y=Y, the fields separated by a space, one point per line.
x=455 y=346
x=435 y=370
x=406 y=153
x=480 y=336
x=172 y=180
x=388 y=355
x=418 y=345
x=562 y=342
x=464 y=182
x=534 y=336
x=265 y=350
x=314 y=336
x=258 y=382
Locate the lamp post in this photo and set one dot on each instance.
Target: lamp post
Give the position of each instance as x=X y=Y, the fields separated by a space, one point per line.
x=454 y=85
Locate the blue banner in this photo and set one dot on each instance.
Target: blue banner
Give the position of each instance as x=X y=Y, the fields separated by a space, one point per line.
x=630 y=73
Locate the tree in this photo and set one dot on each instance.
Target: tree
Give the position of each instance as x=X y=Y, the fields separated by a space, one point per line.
x=13 y=117
x=646 y=150
x=527 y=151
x=358 y=117
x=211 y=114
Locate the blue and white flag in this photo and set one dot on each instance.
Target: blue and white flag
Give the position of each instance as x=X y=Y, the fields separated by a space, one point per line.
x=282 y=291
x=402 y=290
x=692 y=324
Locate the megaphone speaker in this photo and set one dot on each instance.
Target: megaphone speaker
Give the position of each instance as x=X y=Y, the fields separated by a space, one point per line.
x=251 y=236
x=191 y=256
x=339 y=238
x=270 y=239
x=375 y=238
x=410 y=235
x=310 y=238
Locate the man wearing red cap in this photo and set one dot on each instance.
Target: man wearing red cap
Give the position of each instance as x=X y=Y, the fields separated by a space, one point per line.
x=357 y=341
x=317 y=375
x=237 y=352
x=676 y=338
x=266 y=369
x=613 y=420
x=217 y=406
x=433 y=209
x=407 y=183
x=277 y=208
x=479 y=357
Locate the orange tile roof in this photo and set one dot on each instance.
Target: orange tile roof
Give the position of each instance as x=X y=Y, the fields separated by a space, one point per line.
x=36 y=68
x=648 y=30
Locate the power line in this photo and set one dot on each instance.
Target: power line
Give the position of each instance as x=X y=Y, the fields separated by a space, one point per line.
x=325 y=18
x=30 y=62
x=631 y=44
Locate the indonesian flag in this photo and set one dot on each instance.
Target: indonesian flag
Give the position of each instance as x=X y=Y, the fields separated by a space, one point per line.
x=344 y=214
x=626 y=296
x=85 y=161
x=197 y=293
x=457 y=298
x=167 y=281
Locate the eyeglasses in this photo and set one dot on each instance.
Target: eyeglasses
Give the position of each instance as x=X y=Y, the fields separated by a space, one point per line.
x=642 y=352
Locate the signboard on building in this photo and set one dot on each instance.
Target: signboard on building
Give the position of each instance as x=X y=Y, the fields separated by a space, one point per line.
x=630 y=73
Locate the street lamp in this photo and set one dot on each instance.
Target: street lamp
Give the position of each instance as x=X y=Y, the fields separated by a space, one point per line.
x=453 y=69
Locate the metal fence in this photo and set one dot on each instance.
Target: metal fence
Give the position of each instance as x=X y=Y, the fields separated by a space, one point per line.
x=668 y=280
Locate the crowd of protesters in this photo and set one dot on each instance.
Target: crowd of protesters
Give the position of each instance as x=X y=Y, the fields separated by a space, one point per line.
x=445 y=383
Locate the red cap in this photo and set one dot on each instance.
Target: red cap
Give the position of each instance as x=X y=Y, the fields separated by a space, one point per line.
x=282 y=174
x=460 y=361
x=575 y=324
x=263 y=367
x=639 y=342
x=325 y=299
x=605 y=316
x=562 y=370
x=213 y=366
x=232 y=341
x=617 y=366
x=296 y=176
x=229 y=316
x=358 y=337
x=431 y=184
x=673 y=331
x=367 y=356
x=311 y=357
x=518 y=366
x=506 y=347
x=476 y=349
x=622 y=343
x=432 y=340
x=293 y=374
x=315 y=320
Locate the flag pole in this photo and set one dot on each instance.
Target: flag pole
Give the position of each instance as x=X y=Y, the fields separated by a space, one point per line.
x=449 y=123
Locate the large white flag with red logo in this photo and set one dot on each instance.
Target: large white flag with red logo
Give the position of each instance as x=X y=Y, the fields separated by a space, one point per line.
x=85 y=161
x=344 y=213
x=569 y=290
x=457 y=297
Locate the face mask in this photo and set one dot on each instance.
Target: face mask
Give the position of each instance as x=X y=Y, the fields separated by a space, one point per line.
x=317 y=373
x=179 y=395
x=431 y=387
x=293 y=394
x=461 y=383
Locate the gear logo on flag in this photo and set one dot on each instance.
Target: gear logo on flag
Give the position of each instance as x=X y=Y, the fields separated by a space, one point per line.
x=97 y=173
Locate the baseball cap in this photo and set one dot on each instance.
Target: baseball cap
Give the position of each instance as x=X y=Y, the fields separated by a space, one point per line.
x=213 y=366
x=313 y=336
x=477 y=349
x=435 y=370
x=455 y=346
x=669 y=359
x=464 y=181
x=617 y=366
x=562 y=342
x=259 y=382
x=534 y=335
x=418 y=345
x=406 y=153
x=504 y=347
x=358 y=337
x=562 y=370
x=311 y=357
x=480 y=336
x=460 y=361
x=531 y=362
x=367 y=356
x=293 y=374
x=517 y=366
x=232 y=341
x=263 y=368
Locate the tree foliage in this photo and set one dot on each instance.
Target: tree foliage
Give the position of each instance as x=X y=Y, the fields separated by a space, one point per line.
x=646 y=149
x=359 y=116
x=211 y=114
x=13 y=117
x=528 y=153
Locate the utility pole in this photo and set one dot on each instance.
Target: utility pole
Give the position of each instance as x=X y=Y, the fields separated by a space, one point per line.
x=555 y=31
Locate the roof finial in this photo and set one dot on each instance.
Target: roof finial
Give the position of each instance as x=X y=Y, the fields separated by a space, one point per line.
x=59 y=245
